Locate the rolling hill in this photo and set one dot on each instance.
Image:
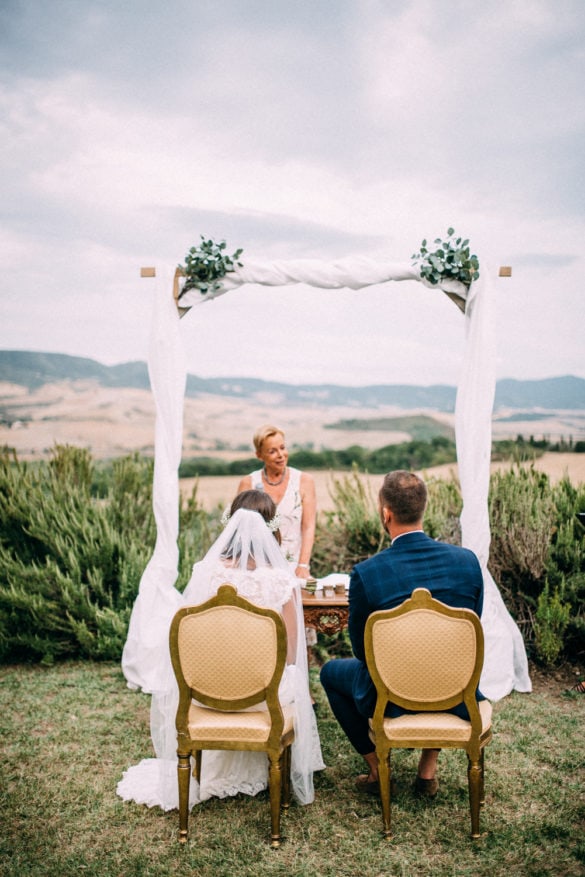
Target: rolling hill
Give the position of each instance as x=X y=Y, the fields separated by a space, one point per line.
x=34 y=370
x=48 y=399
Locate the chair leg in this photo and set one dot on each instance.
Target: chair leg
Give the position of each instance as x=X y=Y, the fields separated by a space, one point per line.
x=184 y=776
x=197 y=768
x=275 y=786
x=474 y=781
x=286 y=758
x=482 y=784
x=384 y=774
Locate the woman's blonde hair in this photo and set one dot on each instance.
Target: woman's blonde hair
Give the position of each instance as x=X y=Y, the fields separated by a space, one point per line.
x=263 y=433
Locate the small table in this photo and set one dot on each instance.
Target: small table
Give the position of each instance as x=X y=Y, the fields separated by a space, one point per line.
x=327 y=615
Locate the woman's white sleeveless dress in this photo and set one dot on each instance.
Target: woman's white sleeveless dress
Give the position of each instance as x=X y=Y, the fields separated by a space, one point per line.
x=290 y=509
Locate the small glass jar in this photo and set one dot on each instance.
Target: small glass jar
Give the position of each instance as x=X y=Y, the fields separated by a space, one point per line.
x=310 y=585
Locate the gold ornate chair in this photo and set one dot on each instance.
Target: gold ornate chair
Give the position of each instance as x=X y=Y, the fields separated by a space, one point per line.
x=427 y=657
x=229 y=655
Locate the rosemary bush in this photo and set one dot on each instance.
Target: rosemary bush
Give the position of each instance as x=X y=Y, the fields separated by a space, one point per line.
x=550 y=623
x=75 y=539
x=522 y=514
x=70 y=561
x=537 y=553
x=352 y=532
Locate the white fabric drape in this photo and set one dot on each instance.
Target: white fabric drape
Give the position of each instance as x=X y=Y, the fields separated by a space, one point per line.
x=505 y=662
x=158 y=600
x=355 y=272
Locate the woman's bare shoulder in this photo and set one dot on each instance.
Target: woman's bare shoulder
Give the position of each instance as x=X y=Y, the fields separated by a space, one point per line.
x=245 y=483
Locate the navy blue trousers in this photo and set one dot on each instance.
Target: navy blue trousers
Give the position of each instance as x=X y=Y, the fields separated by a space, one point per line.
x=337 y=678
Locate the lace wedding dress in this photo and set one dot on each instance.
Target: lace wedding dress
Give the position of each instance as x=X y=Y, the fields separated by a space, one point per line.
x=154 y=780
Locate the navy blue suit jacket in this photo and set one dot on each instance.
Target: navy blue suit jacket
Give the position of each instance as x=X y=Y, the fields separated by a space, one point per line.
x=414 y=560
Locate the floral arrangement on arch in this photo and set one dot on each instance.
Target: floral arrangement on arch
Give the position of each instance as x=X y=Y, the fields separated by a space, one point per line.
x=206 y=265
x=451 y=260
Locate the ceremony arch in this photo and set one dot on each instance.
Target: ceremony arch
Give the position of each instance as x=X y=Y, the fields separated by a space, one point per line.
x=505 y=665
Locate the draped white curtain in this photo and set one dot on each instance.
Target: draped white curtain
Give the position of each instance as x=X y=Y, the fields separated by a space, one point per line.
x=506 y=665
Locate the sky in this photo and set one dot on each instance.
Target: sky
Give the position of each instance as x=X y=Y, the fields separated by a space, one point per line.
x=309 y=129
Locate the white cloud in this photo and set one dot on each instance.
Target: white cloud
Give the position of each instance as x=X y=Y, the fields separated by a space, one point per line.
x=293 y=130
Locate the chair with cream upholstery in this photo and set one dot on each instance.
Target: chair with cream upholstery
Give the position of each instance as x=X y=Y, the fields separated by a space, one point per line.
x=427 y=657
x=229 y=655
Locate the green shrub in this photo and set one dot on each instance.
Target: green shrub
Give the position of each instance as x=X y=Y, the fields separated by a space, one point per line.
x=522 y=514
x=537 y=553
x=550 y=622
x=443 y=510
x=352 y=532
x=566 y=561
x=75 y=540
x=71 y=562
x=537 y=558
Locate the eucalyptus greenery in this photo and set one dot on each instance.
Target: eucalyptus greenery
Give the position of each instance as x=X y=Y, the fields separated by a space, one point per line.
x=450 y=261
x=206 y=264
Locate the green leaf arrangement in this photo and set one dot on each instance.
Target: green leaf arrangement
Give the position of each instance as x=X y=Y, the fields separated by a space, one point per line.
x=206 y=265
x=450 y=261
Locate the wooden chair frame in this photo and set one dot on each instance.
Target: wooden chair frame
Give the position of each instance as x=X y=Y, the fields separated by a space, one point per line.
x=190 y=652
x=414 y=638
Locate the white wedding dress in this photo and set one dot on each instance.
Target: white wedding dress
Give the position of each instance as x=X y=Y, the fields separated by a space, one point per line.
x=154 y=780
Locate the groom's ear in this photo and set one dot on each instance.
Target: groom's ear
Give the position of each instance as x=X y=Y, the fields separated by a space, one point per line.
x=386 y=515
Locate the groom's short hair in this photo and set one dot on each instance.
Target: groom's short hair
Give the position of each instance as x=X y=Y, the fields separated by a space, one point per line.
x=405 y=494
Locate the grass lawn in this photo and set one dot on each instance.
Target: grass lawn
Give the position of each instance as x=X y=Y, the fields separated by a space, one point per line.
x=69 y=731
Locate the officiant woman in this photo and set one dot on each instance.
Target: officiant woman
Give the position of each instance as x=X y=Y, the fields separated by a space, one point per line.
x=293 y=492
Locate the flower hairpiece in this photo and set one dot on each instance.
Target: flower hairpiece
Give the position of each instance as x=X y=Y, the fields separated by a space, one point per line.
x=273 y=524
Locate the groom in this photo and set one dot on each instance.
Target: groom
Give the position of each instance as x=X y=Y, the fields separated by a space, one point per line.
x=414 y=560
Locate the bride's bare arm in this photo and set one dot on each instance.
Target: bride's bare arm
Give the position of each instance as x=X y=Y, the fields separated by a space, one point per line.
x=290 y=622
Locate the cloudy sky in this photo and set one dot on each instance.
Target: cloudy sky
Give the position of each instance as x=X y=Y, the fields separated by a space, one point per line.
x=313 y=128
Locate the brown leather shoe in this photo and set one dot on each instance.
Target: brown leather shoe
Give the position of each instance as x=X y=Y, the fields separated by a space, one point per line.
x=363 y=784
x=372 y=787
x=426 y=788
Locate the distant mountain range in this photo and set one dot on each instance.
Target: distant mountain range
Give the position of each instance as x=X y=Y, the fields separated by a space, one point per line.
x=34 y=370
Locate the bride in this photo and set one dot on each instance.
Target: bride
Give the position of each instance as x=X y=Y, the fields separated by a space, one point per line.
x=248 y=556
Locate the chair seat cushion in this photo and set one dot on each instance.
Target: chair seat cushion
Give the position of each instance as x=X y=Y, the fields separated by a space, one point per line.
x=252 y=727
x=428 y=727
